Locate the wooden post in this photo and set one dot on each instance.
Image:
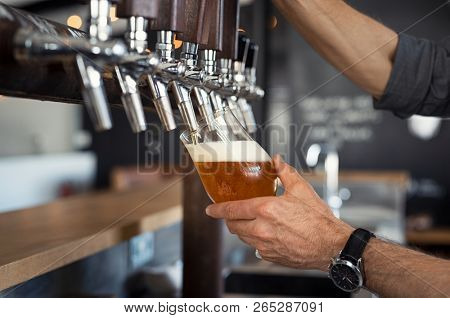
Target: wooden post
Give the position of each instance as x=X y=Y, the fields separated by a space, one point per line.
x=202 y=242
x=202 y=235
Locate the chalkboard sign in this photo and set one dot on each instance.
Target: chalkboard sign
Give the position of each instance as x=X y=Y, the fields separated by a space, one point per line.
x=342 y=118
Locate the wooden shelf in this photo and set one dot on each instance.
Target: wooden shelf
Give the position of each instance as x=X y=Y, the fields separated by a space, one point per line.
x=37 y=240
x=400 y=178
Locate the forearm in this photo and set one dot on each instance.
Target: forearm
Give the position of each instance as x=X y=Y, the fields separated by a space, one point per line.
x=395 y=271
x=354 y=43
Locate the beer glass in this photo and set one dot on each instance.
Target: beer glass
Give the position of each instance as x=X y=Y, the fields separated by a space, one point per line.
x=232 y=166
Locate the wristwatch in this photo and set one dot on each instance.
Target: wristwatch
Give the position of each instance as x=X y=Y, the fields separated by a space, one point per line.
x=346 y=270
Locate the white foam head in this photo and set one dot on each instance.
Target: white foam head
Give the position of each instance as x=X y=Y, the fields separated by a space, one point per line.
x=235 y=151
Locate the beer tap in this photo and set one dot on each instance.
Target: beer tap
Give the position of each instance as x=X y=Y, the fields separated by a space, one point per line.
x=171 y=20
x=92 y=87
x=213 y=34
x=150 y=10
x=252 y=91
x=91 y=54
x=226 y=57
x=198 y=18
x=250 y=65
x=249 y=82
x=240 y=61
x=238 y=77
x=137 y=13
x=228 y=53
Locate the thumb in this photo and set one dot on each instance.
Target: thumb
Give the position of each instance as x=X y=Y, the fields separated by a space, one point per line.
x=293 y=183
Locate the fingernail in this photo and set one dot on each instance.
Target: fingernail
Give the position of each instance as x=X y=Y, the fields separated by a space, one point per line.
x=207 y=210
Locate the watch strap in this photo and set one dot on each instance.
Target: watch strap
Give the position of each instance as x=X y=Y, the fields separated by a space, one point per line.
x=354 y=248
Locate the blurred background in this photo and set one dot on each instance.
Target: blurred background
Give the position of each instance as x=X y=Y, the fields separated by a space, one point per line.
x=395 y=173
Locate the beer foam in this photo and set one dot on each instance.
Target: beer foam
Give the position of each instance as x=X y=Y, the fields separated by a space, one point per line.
x=234 y=151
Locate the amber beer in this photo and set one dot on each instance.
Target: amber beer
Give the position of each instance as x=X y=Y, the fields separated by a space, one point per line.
x=234 y=170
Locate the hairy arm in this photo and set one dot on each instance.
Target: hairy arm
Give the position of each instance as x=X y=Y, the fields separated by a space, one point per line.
x=394 y=271
x=299 y=230
x=355 y=44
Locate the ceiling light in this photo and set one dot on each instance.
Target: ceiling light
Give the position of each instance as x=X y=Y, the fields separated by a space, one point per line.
x=74 y=21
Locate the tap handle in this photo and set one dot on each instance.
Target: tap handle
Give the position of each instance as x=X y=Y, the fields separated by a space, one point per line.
x=243 y=45
x=170 y=16
x=230 y=30
x=194 y=21
x=213 y=26
x=138 y=8
x=252 y=56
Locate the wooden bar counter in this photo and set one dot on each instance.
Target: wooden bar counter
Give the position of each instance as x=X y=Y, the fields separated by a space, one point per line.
x=37 y=240
x=436 y=237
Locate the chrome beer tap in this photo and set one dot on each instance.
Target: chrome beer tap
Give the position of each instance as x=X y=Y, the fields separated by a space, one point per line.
x=210 y=103
x=238 y=78
x=91 y=53
x=201 y=22
x=129 y=73
x=225 y=59
x=171 y=20
x=158 y=86
x=249 y=87
x=199 y=95
x=90 y=69
x=182 y=92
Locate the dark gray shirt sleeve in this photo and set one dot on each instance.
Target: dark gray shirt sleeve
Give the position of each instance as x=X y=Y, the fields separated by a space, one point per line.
x=420 y=79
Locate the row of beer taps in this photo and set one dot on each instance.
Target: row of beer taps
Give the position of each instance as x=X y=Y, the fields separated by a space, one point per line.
x=215 y=70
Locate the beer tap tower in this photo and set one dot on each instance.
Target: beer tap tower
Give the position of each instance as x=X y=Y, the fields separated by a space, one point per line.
x=210 y=74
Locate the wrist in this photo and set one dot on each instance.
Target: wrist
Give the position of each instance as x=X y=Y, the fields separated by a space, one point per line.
x=338 y=237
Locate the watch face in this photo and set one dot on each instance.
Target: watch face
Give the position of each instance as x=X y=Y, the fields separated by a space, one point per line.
x=345 y=277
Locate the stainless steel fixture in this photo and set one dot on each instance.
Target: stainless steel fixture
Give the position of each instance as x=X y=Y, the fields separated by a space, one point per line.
x=90 y=68
x=210 y=73
x=325 y=159
x=128 y=74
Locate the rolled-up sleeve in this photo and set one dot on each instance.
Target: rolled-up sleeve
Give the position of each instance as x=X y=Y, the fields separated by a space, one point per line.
x=420 y=79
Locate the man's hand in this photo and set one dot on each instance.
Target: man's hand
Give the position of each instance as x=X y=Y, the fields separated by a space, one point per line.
x=296 y=229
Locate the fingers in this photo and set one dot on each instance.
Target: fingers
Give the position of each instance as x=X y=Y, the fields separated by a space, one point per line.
x=292 y=181
x=235 y=210
x=287 y=174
